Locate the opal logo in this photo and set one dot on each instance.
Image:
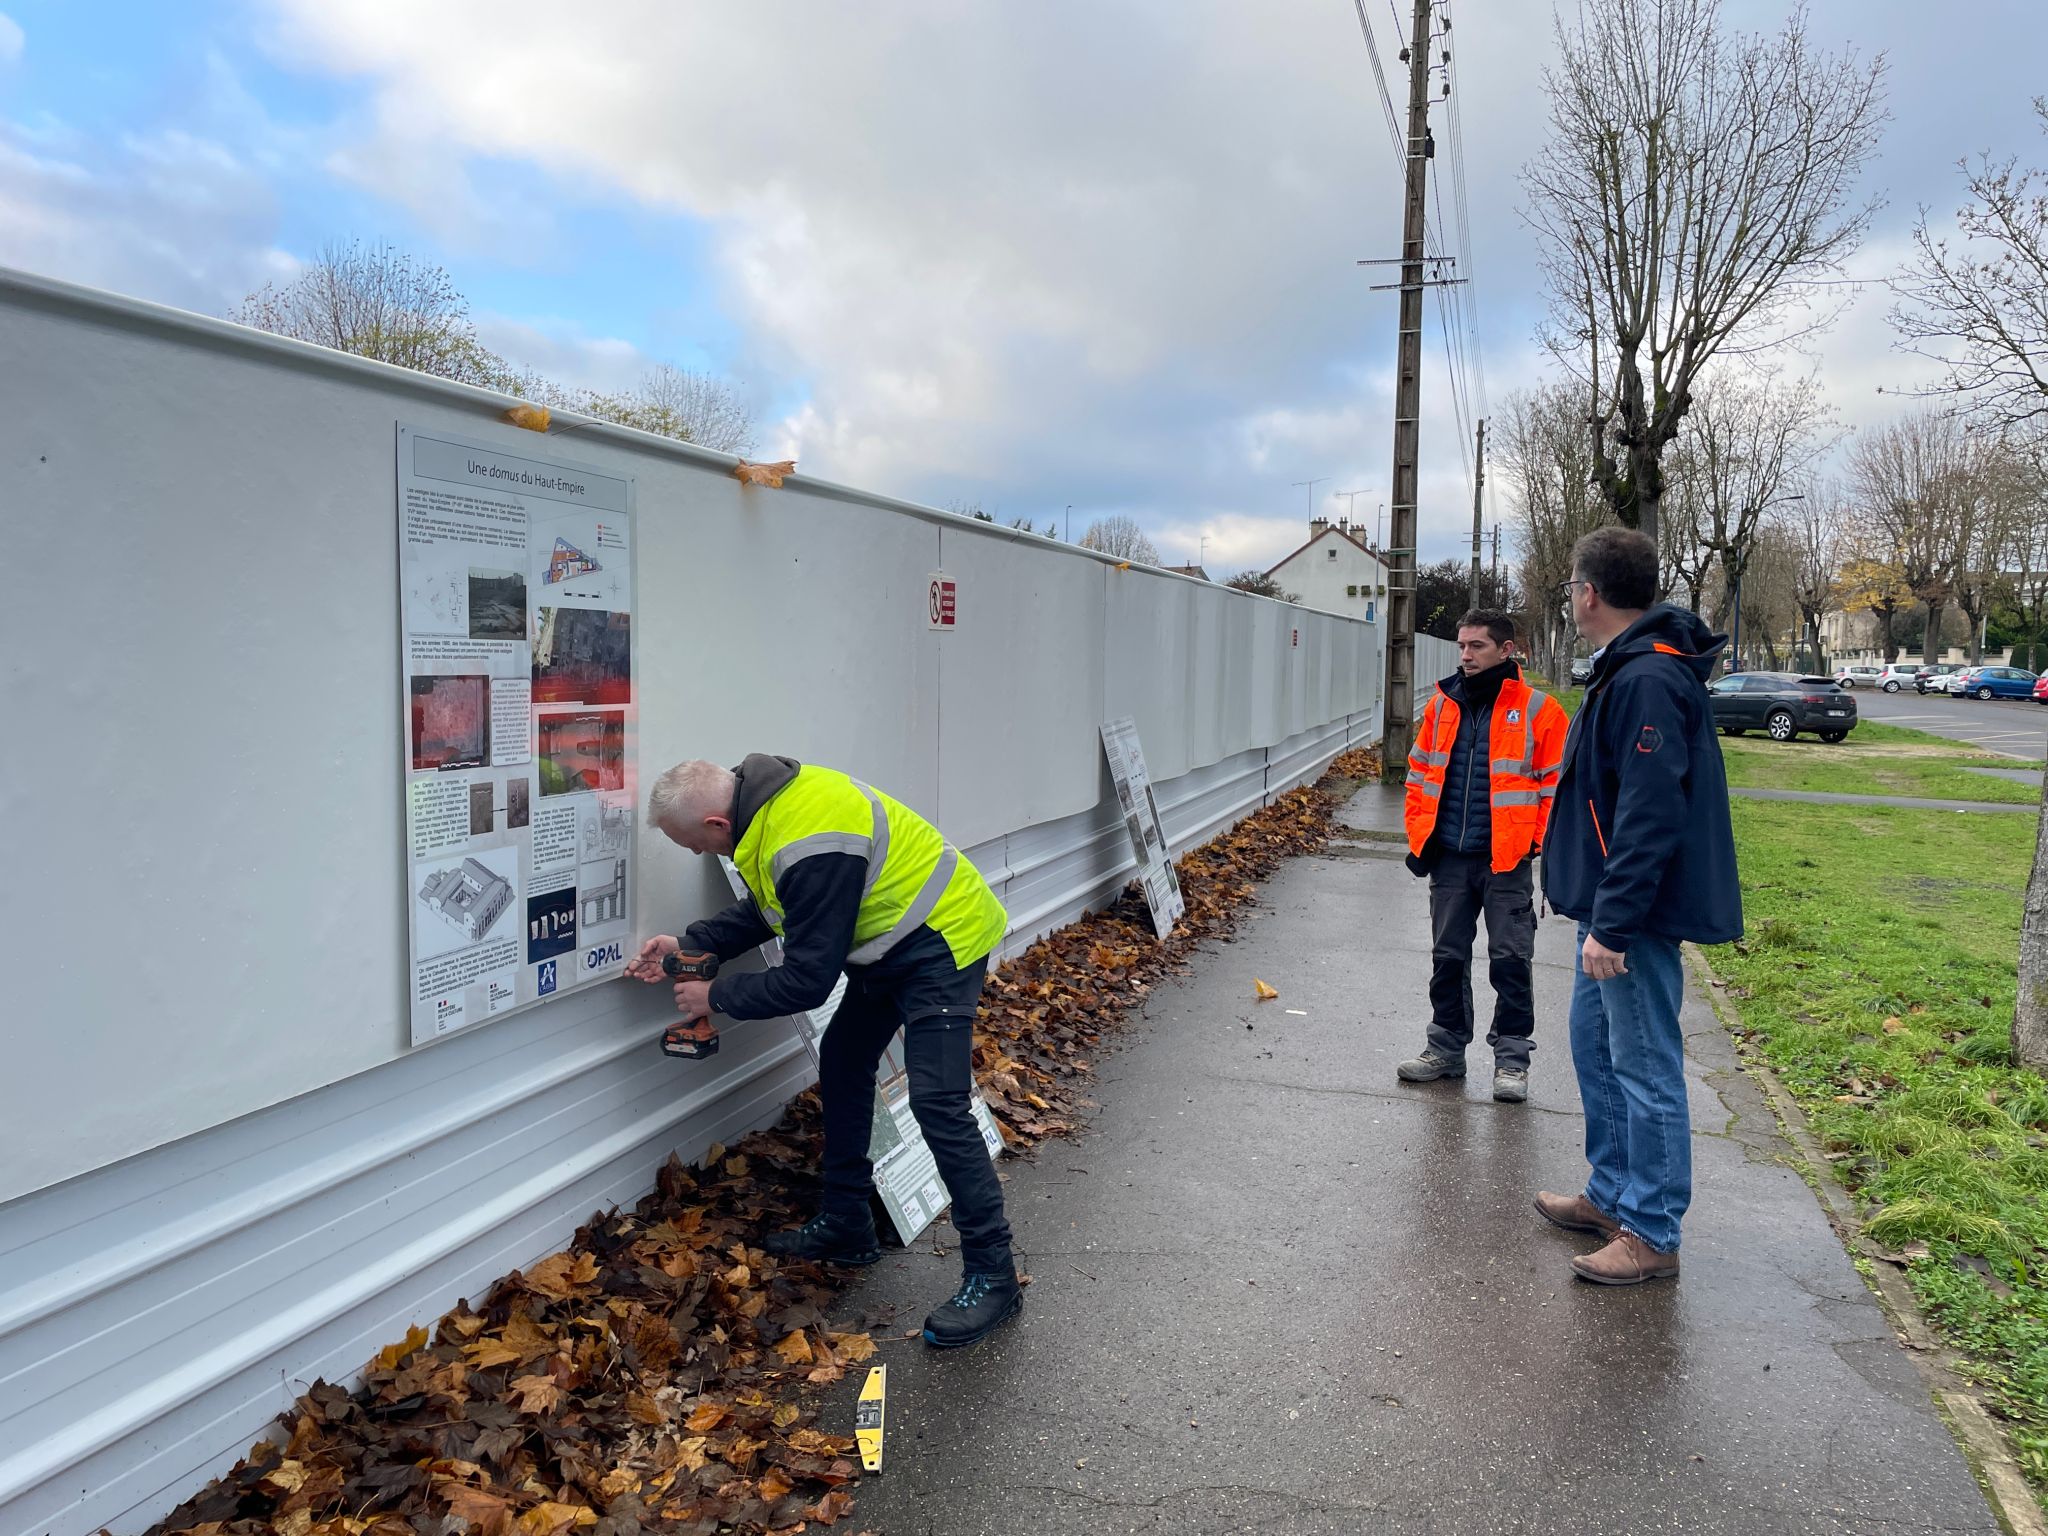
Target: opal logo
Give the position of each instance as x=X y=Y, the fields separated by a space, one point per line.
x=547 y=977
x=613 y=953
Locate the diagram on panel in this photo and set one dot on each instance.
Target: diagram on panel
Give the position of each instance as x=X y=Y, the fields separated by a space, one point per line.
x=567 y=562
x=468 y=897
x=601 y=892
x=606 y=829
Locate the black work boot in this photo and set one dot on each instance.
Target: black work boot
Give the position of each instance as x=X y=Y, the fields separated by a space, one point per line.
x=829 y=1239
x=983 y=1304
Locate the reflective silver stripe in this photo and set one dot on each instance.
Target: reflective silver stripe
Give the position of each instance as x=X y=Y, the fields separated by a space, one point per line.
x=880 y=845
x=1516 y=796
x=1547 y=792
x=1434 y=791
x=1431 y=759
x=820 y=842
x=1518 y=765
x=920 y=908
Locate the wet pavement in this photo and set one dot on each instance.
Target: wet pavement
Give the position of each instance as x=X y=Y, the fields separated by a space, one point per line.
x=1275 y=1291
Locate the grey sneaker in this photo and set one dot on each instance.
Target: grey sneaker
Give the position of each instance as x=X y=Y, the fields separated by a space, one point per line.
x=1430 y=1066
x=1511 y=1085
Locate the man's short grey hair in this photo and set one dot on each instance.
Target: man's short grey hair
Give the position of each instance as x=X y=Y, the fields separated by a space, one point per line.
x=689 y=792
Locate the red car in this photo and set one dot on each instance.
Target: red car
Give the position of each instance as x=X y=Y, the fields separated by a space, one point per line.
x=2041 y=689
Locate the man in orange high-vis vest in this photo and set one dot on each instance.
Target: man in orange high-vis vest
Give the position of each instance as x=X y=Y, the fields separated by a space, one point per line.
x=1480 y=780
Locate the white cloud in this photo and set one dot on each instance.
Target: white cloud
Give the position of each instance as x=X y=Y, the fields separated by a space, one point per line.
x=1068 y=252
x=12 y=39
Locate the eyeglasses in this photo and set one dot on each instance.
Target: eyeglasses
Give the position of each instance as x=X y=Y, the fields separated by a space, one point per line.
x=1564 y=588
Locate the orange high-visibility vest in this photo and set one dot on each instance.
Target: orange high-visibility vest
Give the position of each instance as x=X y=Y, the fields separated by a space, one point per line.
x=1525 y=753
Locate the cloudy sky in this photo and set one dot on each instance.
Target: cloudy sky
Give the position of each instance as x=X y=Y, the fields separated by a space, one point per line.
x=1092 y=254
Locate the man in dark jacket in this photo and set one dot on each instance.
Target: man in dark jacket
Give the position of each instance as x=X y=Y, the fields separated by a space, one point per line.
x=848 y=879
x=1641 y=854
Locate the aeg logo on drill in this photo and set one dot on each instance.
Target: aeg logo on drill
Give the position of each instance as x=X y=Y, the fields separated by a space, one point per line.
x=605 y=954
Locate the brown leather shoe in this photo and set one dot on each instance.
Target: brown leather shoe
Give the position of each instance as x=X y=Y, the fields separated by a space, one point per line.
x=1575 y=1213
x=1628 y=1260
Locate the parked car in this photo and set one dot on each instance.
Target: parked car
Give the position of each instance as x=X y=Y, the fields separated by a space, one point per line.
x=1896 y=675
x=1582 y=669
x=2041 y=690
x=1934 y=679
x=1996 y=683
x=1781 y=704
x=1858 y=676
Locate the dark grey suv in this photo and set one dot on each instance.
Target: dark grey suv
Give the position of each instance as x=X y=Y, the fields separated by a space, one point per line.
x=1782 y=704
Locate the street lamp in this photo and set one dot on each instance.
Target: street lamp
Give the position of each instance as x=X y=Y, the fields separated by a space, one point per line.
x=1735 y=630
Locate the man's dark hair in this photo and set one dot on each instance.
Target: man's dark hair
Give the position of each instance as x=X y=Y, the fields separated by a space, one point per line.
x=1621 y=563
x=1499 y=626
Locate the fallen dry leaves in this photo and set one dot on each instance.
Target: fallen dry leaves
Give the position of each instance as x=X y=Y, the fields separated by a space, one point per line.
x=660 y=1373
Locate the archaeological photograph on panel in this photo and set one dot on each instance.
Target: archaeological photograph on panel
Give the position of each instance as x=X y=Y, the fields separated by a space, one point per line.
x=483 y=808
x=451 y=721
x=582 y=750
x=497 y=604
x=516 y=802
x=582 y=656
x=550 y=924
x=462 y=902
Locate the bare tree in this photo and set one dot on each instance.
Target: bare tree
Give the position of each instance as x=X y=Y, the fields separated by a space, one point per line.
x=1753 y=439
x=1545 y=462
x=2023 y=593
x=1122 y=537
x=1259 y=584
x=2030 y=1012
x=1693 y=180
x=1916 y=480
x=1816 y=526
x=1685 y=548
x=681 y=403
x=377 y=301
x=1980 y=309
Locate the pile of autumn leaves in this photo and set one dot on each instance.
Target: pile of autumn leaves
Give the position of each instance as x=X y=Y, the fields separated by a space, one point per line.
x=663 y=1374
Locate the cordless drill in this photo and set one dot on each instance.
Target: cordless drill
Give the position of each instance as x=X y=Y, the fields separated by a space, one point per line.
x=692 y=1039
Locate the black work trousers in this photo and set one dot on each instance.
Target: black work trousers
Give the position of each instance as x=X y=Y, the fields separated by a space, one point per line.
x=934 y=1005
x=1461 y=888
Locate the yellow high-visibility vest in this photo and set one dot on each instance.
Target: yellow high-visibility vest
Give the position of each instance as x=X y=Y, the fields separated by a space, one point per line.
x=915 y=877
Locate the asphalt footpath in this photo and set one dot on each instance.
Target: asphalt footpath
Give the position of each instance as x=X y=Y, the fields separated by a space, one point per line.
x=1275 y=1291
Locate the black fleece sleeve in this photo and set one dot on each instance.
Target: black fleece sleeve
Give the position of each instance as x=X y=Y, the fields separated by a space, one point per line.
x=1645 y=735
x=731 y=933
x=820 y=903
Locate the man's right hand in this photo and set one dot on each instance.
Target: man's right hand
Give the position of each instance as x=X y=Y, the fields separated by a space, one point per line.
x=646 y=966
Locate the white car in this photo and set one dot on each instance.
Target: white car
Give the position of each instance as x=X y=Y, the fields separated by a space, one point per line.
x=1858 y=676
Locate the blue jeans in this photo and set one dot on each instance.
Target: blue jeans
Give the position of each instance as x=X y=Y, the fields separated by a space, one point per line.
x=1630 y=1058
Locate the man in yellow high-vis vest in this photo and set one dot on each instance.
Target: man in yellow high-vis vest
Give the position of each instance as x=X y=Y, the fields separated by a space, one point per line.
x=851 y=880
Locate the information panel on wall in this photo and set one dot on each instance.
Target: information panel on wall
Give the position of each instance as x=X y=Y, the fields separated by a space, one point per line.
x=516 y=578
x=1141 y=816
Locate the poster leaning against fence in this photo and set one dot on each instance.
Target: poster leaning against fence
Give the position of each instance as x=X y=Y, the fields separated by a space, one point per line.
x=516 y=597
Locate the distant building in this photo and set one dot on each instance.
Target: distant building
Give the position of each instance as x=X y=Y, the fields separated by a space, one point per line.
x=1189 y=570
x=1335 y=571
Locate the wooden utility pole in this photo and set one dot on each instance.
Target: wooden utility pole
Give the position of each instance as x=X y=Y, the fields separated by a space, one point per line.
x=1478 y=480
x=1400 y=708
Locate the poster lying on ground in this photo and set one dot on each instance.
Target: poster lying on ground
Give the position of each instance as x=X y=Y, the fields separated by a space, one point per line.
x=1141 y=817
x=906 y=1173
x=516 y=605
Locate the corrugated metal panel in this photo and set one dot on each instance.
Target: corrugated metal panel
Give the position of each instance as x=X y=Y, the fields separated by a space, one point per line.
x=163 y=1310
x=310 y=1187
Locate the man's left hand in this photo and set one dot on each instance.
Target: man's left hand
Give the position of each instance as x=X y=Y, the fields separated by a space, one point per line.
x=693 y=997
x=1600 y=962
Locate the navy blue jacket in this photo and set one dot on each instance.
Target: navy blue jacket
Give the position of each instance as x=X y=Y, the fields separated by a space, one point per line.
x=1639 y=839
